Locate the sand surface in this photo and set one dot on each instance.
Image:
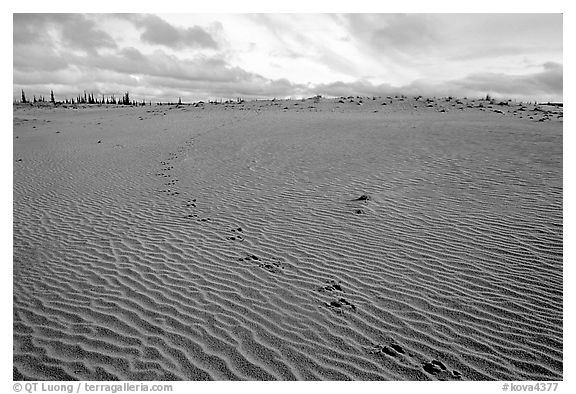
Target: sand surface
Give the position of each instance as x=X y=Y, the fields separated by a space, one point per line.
x=287 y=240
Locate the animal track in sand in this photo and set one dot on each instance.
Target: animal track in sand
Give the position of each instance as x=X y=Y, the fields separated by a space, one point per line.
x=435 y=367
x=393 y=350
x=363 y=197
x=340 y=305
x=236 y=237
x=332 y=286
x=271 y=265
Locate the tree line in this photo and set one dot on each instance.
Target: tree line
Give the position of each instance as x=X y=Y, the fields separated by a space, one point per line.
x=86 y=98
x=90 y=98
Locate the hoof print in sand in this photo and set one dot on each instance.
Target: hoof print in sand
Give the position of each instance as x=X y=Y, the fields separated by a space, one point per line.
x=394 y=350
x=340 y=305
x=249 y=258
x=434 y=367
x=397 y=347
x=363 y=197
x=273 y=266
x=332 y=286
x=359 y=211
x=236 y=237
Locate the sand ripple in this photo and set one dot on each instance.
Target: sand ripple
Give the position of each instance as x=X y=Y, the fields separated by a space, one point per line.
x=227 y=244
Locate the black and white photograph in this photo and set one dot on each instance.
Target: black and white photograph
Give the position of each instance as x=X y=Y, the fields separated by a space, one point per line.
x=286 y=197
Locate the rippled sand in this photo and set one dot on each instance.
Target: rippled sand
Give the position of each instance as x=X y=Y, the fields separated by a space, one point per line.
x=288 y=240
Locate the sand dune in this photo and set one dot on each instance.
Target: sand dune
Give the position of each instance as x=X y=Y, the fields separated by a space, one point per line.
x=319 y=239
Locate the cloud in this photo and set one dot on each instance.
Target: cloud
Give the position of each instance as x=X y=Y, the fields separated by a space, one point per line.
x=548 y=82
x=283 y=55
x=156 y=75
x=158 y=31
x=74 y=80
x=38 y=57
x=394 y=33
x=132 y=61
x=207 y=74
x=254 y=86
x=28 y=28
x=82 y=33
x=164 y=76
x=544 y=84
x=361 y=88
x=75 y=31
x=427 y=44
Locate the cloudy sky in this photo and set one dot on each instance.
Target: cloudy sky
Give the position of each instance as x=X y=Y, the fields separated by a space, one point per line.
x=201 y=56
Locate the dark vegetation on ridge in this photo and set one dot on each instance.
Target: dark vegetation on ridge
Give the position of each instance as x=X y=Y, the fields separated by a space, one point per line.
x=90 y=98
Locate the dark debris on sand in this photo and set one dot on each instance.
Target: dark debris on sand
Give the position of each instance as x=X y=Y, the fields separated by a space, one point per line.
x=363 y=197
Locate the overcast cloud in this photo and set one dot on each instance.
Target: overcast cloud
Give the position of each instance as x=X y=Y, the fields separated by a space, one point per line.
x=198 y=56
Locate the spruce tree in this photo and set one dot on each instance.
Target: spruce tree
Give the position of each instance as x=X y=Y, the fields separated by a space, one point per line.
x=23 y=97
x=52 y=97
